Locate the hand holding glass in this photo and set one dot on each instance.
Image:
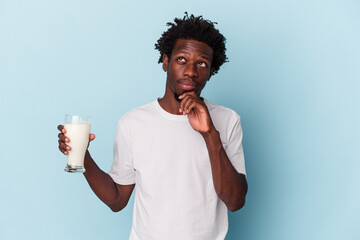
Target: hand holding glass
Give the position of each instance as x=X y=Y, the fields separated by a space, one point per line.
x=78 y=131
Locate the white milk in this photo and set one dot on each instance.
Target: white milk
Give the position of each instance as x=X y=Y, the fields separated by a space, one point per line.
x=78 y=133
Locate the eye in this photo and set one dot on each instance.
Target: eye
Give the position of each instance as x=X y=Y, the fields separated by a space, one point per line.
x=181 y=59
x=202 y=64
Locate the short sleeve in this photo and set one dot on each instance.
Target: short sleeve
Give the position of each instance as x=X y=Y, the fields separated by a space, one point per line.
x=234 y=148
x=122 y=170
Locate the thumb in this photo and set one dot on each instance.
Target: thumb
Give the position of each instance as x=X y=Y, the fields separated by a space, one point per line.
x=91 y=137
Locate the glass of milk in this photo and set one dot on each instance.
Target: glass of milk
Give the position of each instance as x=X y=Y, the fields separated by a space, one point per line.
x=78 y=131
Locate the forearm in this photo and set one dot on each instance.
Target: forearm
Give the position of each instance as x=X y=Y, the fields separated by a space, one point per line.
x=100 y=182
x=230 y=186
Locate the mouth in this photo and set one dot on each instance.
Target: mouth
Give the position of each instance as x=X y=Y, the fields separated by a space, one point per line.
x=187 y=85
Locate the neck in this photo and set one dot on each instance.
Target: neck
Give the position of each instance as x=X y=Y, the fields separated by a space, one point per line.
x=170 y=104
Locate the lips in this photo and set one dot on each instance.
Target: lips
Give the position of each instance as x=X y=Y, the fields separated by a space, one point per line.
x=187 y=84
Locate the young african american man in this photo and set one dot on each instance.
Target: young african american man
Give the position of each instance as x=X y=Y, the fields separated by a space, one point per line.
x=183 y=153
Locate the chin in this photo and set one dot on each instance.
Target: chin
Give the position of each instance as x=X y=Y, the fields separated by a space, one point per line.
x=176 y=96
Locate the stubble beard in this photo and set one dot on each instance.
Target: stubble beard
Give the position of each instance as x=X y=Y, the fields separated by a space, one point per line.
x=176 y=96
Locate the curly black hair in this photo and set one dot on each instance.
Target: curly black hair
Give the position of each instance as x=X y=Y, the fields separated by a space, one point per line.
x=195 y=28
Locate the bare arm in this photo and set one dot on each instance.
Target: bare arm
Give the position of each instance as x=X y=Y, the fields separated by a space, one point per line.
x=230 y=185
x=114 y=195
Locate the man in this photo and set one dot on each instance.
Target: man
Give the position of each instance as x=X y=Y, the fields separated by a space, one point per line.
x=183 y=153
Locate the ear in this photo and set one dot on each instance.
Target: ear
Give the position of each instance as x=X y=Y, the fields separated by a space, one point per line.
x=165 y=62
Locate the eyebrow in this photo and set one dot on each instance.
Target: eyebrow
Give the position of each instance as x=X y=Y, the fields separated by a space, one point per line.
x=205 y=57
x=187 y=52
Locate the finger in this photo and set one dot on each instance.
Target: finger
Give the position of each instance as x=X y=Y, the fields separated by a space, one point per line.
x=63 y=138
x=61 y=128
x=191 y=106
x=92 y=137
x=184 y=102
x=186 y=95
x=190 y=102
x=192 y=93
x=64 y=148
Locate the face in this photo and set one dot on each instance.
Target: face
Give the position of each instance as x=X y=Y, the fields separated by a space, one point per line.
x=189 y=67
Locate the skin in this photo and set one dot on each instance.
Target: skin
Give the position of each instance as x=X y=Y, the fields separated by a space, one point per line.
x=188 y=69
x=114 y=195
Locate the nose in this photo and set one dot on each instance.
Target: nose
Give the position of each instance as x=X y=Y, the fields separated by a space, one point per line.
x=191 y=71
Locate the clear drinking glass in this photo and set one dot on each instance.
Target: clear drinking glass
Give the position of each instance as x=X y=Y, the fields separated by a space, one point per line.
x=78 y=131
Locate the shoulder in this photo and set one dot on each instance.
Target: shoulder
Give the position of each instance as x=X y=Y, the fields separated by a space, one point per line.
x=225 y=121
x=222 y=112
x=138 y=114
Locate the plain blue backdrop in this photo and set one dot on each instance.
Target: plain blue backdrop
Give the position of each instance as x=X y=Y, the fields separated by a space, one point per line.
x=293 y=76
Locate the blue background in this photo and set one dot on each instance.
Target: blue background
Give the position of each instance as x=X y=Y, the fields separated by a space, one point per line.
x=293 y=76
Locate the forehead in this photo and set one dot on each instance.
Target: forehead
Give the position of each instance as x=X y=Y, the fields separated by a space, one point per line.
x=193 y=47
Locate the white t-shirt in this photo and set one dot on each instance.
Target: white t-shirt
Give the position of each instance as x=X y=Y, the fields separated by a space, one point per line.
x=168 y=161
